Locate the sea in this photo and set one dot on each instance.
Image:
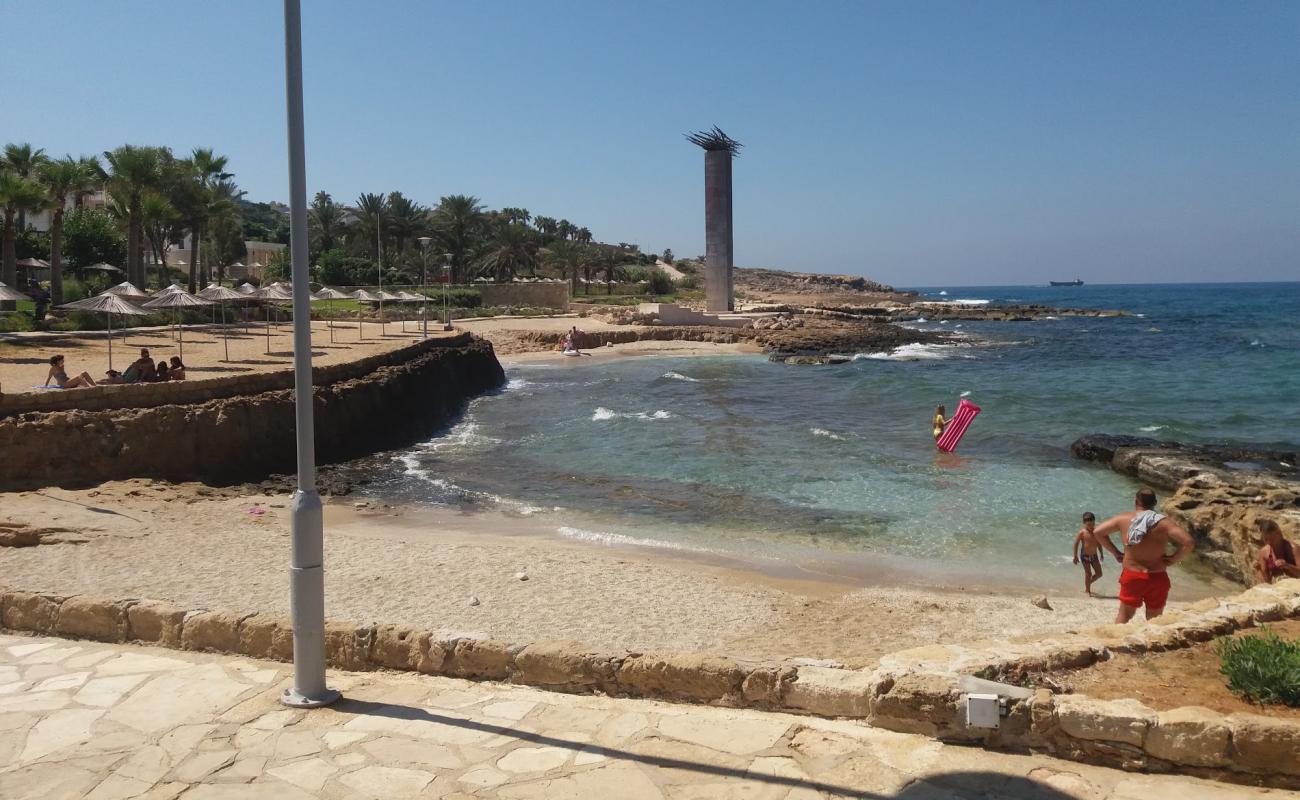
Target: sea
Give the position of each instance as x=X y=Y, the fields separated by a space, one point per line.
x=831 y=471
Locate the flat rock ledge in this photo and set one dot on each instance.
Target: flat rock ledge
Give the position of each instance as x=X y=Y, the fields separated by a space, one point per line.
x=1216 y=492
x=920 y=690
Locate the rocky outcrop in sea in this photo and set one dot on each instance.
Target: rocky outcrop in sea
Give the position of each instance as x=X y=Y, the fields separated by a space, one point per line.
x=1217 y=492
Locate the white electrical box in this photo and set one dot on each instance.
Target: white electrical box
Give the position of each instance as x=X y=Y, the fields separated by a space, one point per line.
x=983 y=711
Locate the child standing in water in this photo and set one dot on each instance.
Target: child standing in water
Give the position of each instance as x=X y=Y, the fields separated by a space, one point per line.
x=939 y=423
x=1091 y=552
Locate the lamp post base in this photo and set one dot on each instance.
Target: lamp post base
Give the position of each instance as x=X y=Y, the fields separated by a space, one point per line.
x=293 y=699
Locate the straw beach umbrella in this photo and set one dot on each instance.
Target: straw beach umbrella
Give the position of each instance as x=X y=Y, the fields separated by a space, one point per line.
x=410 y=297
x=327 y=294
x=220 y=294
x=11 y=294
x=245 y=288
x=268 y=295
x=127 y=289
x=177 y=300
x=105 y=303
x=385 y=297
x=365 y=297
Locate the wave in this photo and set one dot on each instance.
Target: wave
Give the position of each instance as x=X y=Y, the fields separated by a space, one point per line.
x=827 y=434
x=677 y=376
x=602 y=414
x=911 y=352
x=1152 y=428
x=515 y=384
x=619 y=539
x=970 y=302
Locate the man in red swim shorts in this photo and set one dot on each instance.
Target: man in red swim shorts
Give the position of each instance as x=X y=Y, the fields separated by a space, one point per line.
x=1144 y=580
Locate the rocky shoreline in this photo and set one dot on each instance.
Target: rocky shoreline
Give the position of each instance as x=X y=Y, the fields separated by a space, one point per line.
x=1217 y=492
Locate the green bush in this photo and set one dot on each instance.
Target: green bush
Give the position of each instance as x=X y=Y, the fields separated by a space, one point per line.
x=659 y=282
x=1263 y=669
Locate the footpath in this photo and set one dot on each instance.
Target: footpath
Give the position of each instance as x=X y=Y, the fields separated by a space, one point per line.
x=83 y=719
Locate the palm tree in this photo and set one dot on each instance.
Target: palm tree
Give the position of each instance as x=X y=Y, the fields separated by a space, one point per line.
x=403 y=220
x=457 y=221
x=208 y=169
x=224 y=223
x=609 y=260
x=160 y=223
x=546 y=225
x=582 y=235
x=326 y=217
x=24 y=161
x=566 y=258
x=17 y=194
x=565 y=229
x=371 y=208
x=61 y=178
x=134 y=170
x=513 y=250
x=516 y=215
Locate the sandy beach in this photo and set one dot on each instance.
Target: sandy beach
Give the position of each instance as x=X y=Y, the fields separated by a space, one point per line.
x=205 y=547
x=24 y=361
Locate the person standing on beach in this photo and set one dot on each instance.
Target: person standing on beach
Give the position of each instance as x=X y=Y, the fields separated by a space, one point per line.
x=1144 y=579
x=1091 y=552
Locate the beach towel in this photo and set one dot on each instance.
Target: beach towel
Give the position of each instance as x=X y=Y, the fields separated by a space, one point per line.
x=1142 y=524
x=966 y=413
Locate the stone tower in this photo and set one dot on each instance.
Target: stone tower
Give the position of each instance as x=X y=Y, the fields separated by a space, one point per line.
x=719 y=150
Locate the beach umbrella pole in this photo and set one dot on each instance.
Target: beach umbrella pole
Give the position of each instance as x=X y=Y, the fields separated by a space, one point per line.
x=110 y=340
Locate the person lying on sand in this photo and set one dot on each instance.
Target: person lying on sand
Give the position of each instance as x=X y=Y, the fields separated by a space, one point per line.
x=1277 y=558
x=59 y=376
x=1091 y=552
x=1144 y=579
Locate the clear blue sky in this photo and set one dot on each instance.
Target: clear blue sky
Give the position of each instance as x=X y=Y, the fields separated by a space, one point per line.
x=919 y=143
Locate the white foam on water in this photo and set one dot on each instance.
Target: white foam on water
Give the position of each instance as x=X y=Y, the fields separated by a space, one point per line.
x=911 y=352
x=1152 y=428
x=966 y=393
x=1255 y=343
x=827 y=434
x=677 y=376
x=944 y=293
x=970 y=302
x=517 y=383
x=619 y=539
x=603 y=414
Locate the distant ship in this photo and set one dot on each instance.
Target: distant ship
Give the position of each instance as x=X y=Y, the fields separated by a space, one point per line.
x=1075 y=282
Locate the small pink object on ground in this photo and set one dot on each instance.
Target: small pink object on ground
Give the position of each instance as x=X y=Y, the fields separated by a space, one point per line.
x=966 y=412
x=257 y=510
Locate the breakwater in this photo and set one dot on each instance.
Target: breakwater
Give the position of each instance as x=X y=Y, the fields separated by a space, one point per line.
x=229 y=432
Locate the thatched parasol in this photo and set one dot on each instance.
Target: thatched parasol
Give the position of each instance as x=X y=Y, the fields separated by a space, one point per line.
x=177 y=300
x=327 y=294
x=270 y=294
x=105 y=303
x=127 y=289
x=11 y=294
x=222 y=295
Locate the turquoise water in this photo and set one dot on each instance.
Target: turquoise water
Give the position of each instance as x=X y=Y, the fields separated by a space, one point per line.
x=740 y=456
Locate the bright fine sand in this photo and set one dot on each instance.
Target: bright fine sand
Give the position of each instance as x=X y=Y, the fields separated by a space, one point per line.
x=201 y=547
x=24 y=362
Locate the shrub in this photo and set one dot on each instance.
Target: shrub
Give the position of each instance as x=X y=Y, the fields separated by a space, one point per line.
x=659 y=282
x=1263 y=669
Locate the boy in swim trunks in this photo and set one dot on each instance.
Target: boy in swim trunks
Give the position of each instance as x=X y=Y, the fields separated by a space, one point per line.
x=1144 y=579
x=1091 y=552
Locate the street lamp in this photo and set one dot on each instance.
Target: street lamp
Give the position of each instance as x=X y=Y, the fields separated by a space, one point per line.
x=446 y=281
x=424 y=281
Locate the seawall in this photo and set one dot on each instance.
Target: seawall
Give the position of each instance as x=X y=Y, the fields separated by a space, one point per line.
x=385 y=403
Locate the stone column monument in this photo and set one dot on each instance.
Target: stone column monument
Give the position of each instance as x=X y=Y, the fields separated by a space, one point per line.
x=719 y=150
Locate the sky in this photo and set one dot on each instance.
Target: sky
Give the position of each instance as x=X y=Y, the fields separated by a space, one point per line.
x=922 y=143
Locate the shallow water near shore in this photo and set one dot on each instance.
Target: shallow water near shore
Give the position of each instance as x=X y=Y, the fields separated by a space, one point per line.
x=832 y=470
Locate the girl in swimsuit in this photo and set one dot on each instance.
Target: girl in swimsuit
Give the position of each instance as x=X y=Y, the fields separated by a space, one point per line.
x=939 y=423
x=59 y=376
x=1277 y=558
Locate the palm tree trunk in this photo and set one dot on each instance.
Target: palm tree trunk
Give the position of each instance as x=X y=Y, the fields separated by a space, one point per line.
x=134 y=245
x=196 y=241
x=9 y=260
x=56 y=257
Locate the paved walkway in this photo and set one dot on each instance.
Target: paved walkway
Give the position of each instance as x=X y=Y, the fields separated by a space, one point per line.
x=81 y=719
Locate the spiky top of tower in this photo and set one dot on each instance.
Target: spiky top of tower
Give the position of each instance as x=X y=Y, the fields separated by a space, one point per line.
x=715 y=140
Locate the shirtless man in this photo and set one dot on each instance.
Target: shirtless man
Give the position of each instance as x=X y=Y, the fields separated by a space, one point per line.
x=1144 y=579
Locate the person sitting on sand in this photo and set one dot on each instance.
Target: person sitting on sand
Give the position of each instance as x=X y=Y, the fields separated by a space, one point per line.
x=59 y=376
x=939 y=423
x=1091 y=552
x=1144 y=579
x=141 y=370
x=160 y=374
x=1277 y=558
x=177 y=371
x=571 y=341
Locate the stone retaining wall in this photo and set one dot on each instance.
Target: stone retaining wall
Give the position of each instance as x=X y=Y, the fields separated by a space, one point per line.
x=403 y=395
x=150 y=395
x=916 y=691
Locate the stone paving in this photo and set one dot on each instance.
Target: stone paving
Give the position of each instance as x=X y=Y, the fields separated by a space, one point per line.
x=83 y=719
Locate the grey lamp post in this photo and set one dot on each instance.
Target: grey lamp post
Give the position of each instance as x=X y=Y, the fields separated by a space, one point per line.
x=306 y=570
x=446 y=282
x=424 y=281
